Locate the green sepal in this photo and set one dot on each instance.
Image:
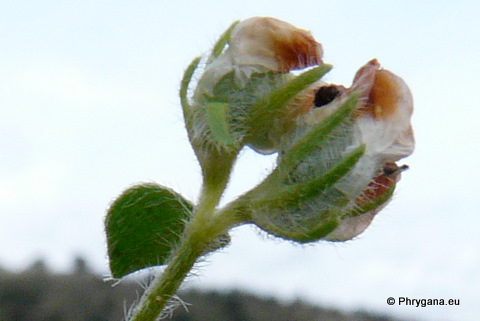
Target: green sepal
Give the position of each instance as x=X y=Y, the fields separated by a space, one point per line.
x=187 y=77
x=302 y=149
x=217 y=120
x=272 y=115
x=314 y=232
x=143 y=225
x=282 y=215
x=222 y=42
x=317 y=136
x=280 y=97
x=295 y=194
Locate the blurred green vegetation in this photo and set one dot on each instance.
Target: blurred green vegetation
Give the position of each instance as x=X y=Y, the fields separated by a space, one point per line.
x=37 y=294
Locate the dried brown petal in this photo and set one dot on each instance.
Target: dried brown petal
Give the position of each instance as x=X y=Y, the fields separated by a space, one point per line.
x=274 y=44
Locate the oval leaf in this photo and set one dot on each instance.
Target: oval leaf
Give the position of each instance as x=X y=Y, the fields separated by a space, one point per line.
x=143 y=225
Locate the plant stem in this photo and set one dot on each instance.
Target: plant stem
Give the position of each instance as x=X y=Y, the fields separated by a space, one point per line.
x=203 y=228
x=165 y=285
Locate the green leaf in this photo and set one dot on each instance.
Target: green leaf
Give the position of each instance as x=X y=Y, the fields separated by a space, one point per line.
x=143 y=225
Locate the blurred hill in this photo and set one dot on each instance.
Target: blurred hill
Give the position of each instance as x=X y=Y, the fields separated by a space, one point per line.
x=36 y=294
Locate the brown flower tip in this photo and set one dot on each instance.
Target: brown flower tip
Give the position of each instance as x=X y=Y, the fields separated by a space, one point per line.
x=274 y=44
x=384 y=112
x=352 y=226
x=385 y=93
x=381 y=183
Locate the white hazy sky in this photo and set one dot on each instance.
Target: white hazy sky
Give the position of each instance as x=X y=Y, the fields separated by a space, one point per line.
x=88 y=106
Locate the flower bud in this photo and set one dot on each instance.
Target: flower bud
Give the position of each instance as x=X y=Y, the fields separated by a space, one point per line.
x=262 y=45
x=383 y=122
x=249 y=66
x=275 y=45
x=354 y=158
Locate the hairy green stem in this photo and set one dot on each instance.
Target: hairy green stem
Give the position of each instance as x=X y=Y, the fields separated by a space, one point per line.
x=164 y=286
x=204 y=227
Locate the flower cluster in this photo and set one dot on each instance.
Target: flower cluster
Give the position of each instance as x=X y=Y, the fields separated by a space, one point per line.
x=337 y=146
